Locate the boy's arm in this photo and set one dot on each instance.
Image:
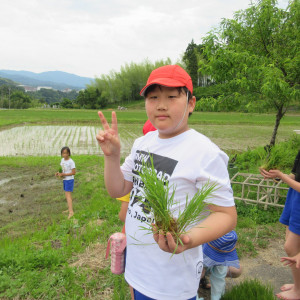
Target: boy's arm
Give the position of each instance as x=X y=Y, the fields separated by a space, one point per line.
x=109 y=142
x=219 y=222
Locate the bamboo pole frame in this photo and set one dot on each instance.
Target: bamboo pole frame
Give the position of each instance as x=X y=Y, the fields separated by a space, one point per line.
x=266 y=192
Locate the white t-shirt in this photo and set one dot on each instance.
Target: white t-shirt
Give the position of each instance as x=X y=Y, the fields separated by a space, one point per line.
x=67 y=167
x=189 y=160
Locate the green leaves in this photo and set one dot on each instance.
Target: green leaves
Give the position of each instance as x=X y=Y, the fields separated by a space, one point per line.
x=256 y=54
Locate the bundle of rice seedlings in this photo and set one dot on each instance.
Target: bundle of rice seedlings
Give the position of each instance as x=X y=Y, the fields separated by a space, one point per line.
x=156 y=192
x=272 y=160
x=251 y=290
x=60 y=170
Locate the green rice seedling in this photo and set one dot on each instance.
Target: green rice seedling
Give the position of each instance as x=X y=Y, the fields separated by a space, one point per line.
x=250 y=290
x=272 y=160
x=157 y=190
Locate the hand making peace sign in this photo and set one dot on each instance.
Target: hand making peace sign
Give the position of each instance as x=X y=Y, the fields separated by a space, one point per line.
x=108 y=138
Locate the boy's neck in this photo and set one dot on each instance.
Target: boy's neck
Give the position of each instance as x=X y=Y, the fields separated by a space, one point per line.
x=166 y=136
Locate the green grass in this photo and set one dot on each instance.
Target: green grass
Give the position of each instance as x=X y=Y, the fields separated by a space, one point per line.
x=42 y=116
x=31 y=267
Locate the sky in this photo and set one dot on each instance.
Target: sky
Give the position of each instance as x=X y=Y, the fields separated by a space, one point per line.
x=94 y=37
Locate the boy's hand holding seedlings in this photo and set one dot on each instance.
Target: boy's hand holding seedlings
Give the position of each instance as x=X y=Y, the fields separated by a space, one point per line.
x=167 y=242
x=205 y=232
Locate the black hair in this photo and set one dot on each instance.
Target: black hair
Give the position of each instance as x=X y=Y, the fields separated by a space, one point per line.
x=65 y=148
x=180 y=89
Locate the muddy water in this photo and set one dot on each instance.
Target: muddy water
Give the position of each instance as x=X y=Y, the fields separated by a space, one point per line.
x=48 y=140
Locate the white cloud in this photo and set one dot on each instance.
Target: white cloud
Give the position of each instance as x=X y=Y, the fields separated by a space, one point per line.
x=92 y=37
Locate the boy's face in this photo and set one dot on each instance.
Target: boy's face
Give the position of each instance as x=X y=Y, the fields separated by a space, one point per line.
x=168 y=110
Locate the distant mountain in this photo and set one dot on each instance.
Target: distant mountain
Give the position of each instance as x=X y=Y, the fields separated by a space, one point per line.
x=55 y=79
x=6 y=81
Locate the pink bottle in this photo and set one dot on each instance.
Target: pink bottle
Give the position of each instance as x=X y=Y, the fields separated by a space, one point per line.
x=117 y=244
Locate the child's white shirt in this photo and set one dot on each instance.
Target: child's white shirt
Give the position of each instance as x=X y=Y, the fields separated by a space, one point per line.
x=189 y=160
x=67 y=167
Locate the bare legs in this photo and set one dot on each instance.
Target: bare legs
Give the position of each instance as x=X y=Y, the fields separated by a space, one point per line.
x=291 y=247
x=70 y=204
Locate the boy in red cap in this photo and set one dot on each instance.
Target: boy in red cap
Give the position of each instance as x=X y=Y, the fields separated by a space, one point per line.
x=188 y=160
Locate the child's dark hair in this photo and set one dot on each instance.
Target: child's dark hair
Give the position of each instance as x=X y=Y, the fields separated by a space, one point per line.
x=181 y=89
x=65 y=148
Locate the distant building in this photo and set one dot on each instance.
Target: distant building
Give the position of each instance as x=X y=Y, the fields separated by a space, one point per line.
x=28 y=88
x=44 y=87
x=67 y=90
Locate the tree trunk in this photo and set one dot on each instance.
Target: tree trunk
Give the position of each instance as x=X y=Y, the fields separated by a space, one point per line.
x=279 y=116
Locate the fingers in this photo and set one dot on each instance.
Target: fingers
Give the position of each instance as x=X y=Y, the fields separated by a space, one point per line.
x=114 y=122
x=288 y=261
x=167 y=243
x=264 y=173
x=102 y=136
x=162 y=242
x=103 y=121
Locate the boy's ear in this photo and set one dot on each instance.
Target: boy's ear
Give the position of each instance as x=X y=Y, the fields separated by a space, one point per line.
x=192 y=103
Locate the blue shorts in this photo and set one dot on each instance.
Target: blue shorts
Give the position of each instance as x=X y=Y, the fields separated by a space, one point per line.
x=68 y=185
x=291 y=212
x=139 y=296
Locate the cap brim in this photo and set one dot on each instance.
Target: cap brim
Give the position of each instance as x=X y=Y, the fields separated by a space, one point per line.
x=168 y=82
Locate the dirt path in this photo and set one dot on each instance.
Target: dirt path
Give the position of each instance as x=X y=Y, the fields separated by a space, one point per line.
x=265 y=266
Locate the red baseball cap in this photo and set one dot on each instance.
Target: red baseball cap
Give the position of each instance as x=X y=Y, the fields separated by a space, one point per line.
x=171 y=76
x=148 y=127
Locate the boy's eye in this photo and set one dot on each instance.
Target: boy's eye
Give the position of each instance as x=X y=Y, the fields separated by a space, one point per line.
x=173 y=96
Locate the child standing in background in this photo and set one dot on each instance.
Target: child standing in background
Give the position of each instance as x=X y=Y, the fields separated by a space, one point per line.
x=189 y=160
x=68 y=172
x=221 y=261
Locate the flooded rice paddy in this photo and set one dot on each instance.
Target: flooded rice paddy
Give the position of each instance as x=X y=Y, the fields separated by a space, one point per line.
x=48 y=140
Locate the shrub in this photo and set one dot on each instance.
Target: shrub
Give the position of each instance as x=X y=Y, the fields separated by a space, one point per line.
x=282 y=155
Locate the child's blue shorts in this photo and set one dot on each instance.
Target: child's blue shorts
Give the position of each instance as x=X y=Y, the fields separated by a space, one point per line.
x=291 y=212
x=139 y=296
x=68 y=185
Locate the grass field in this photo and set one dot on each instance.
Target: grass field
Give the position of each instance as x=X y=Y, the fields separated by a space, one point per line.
x=45 y=256
x=81 y=117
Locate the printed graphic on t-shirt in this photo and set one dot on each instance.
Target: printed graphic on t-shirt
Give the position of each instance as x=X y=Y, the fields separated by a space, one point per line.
x=199 y=268
x=164 y=167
